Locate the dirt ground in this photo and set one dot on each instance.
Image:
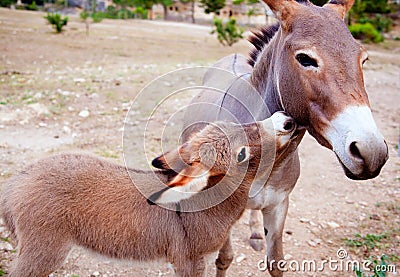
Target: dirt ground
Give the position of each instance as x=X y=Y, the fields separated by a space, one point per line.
x=71 y=92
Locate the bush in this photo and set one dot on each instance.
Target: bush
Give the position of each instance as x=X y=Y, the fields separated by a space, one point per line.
x=141 y=12
x=365 y=32
x=7 y=3
x=125 y=14
x=228 y=33
x=32 y=7
x=57 y=21
x=380 y=22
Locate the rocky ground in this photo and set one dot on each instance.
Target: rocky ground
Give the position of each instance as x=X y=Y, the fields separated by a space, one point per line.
x=71 y=92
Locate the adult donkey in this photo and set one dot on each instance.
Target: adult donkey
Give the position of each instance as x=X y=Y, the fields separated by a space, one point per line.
x=311 y=67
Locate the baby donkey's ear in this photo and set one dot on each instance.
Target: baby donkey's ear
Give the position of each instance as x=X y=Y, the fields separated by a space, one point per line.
x=192 y=176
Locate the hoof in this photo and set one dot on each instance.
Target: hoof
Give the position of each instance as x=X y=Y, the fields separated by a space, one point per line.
x=257 y=244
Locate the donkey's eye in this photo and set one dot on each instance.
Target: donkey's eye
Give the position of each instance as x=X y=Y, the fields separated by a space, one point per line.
x=243 y=155
x=306 y=60
x=363 y=62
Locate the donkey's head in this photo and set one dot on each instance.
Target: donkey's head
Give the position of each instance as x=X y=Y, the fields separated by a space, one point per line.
x=223 y=150
x=318 y=79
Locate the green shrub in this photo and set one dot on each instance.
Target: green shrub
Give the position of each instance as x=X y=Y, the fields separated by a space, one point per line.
x=228 y=33
x=141 y=12
x=365 y=32
x=125 y=14
x=381 y=23
x=84 y=15
x=7 y=3
x=96 y=17
x=57 y=21
x=32 y=7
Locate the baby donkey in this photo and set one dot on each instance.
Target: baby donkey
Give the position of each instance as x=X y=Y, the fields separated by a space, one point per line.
x=77 y=199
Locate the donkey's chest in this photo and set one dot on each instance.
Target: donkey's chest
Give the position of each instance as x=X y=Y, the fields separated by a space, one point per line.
x=266 y=197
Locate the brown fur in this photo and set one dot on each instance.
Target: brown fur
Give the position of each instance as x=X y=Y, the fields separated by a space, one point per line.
x=77 y=199
x=273 y=79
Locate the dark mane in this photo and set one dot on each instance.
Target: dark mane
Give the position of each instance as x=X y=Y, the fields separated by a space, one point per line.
x=259 y=38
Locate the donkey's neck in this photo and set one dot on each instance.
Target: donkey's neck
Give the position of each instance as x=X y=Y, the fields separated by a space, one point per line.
x=264 y=76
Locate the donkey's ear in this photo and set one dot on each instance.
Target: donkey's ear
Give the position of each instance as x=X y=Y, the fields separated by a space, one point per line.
x=191 y=180
x=283 y=10
x=175 y=159
x=340 y=6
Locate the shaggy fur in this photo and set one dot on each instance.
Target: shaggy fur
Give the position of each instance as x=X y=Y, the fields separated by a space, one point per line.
x=260 y=38
x=76 y=199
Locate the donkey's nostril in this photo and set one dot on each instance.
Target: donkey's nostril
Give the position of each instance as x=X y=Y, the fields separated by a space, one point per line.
x=355 y=152
x=288 y=125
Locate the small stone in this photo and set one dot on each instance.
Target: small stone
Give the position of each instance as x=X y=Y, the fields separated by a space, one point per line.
x=288 y=257
x=304 y=220
x=40 y=109
x=79 y=80
x=240 y=258
x=313 y=223
x=312 y=243
x=84 y=113
x=352 y=225
x=333 y=224
x=362 y=203
x=96 y=273
x=67 y=130
x=289 y=232
x=315 y=230
x=7 y=246
x=42 y=124
x=318 y=241
x=375 y=217
x=349 y=201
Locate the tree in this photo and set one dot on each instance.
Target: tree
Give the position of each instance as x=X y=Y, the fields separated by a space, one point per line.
x=377 y=6
x=124 y=4
x=212 y=6
x=165 y=4
x=57 y=21
x=146 y=4
x=7 y=3
x=228 y=33
x=192 y=7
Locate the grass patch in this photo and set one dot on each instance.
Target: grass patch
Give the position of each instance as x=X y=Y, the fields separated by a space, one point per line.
x=369 y=241
x=378 y=241
x=107 y=153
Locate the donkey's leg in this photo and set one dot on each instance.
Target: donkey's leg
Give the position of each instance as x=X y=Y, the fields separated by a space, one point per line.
x=256 y=227
x=38 y=258
x=225 y=257
x=274 y=221
x=190 y=268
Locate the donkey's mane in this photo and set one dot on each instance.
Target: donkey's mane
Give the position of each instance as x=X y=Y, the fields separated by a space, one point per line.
x=260 y=38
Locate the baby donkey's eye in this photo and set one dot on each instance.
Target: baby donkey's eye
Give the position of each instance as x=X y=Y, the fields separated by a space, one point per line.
x=243 y=154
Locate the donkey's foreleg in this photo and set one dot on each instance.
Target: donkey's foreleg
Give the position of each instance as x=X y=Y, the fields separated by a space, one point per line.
x=256 y=228
x=274 y=221
x=225 y=257
x=190 y=268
